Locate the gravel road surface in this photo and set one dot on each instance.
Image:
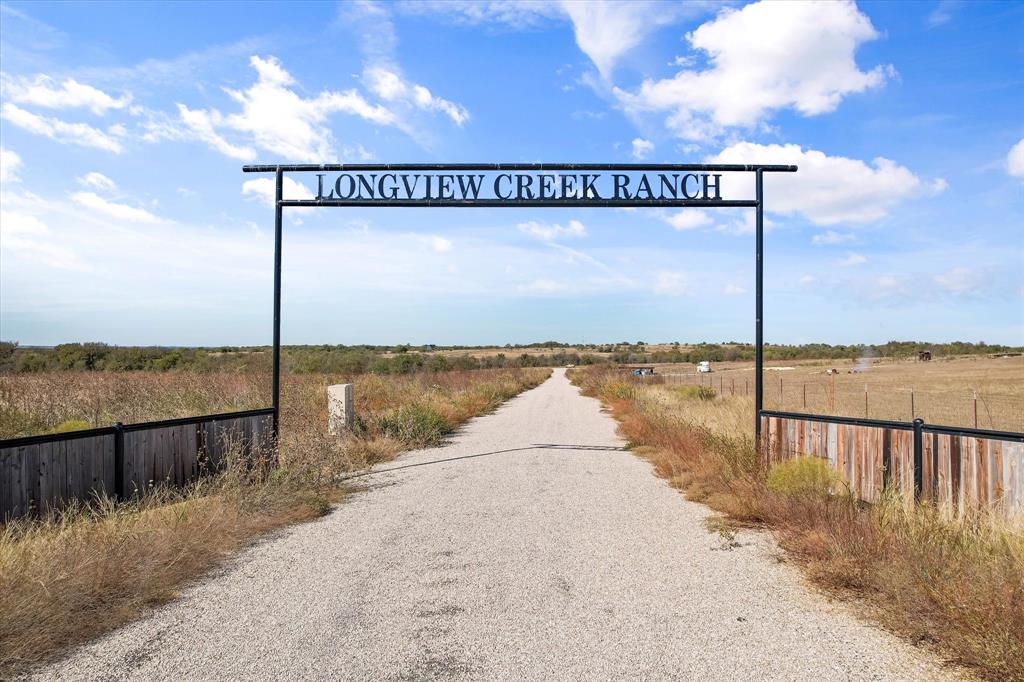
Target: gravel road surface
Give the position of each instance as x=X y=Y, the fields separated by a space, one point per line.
x=530 y=547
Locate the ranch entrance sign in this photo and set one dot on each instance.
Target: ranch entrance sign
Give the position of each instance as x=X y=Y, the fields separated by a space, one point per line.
x=525 y=185
x=953 y=467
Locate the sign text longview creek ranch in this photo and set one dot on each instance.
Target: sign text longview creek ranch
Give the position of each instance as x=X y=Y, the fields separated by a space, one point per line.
x=518 y=186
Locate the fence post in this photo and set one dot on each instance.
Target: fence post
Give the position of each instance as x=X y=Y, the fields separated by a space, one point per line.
x=119 y=460
x=918 y=458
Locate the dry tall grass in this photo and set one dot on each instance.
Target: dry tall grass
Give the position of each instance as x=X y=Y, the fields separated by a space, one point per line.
x=74 y=575
x=955 y=584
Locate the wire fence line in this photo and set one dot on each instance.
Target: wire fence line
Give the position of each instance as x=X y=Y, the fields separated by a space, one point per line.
x=851 y=398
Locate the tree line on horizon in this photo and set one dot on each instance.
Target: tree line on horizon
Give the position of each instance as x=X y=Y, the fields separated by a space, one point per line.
x=405 y=358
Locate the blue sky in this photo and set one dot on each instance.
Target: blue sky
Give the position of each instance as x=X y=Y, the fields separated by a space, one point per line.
x=127 y=219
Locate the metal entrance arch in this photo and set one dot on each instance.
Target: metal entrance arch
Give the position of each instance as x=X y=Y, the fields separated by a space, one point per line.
x=580 y=197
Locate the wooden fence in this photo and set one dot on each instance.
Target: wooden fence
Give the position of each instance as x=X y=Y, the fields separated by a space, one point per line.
x=42 y=472
x=958 y=469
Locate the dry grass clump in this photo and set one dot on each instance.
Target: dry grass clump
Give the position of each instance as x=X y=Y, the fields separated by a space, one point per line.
x=75 y=574
x=956 y=584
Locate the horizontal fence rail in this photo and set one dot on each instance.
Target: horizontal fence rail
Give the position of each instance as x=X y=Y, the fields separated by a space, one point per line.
x=47 y=471
x=953 y=467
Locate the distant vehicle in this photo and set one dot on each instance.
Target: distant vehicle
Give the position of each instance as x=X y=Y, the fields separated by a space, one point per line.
x=703 y=366
x=643 y=371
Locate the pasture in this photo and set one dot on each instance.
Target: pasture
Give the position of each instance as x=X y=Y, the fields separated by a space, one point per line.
x=944 y=391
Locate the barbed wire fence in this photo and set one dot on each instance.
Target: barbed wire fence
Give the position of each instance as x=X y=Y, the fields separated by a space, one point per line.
x=851 y=398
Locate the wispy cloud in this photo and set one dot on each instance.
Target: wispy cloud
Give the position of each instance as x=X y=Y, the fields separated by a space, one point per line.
x=552 y=231
x=9 y=164
x=851 y=259
x=65 y=132
x=44 y=91
x=111 y=209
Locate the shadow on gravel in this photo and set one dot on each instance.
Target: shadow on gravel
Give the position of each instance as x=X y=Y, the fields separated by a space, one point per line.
x=535 y=446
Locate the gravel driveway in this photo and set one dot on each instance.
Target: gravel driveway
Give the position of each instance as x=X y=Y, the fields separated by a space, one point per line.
x=530 y=547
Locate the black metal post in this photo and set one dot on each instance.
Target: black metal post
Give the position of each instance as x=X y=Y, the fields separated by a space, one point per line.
x=759 y=313
x=276 y=385
x=119 y=461
x=918 y=458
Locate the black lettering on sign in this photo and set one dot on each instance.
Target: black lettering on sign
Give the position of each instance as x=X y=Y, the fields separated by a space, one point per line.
x=629 y=186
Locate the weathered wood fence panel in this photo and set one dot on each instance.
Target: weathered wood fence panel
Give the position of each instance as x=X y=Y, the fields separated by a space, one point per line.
x=960 y=469
x=43 y=472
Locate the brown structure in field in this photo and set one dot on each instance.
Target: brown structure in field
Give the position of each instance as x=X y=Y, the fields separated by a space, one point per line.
x=959 y=470
x=924 y=356
x=44 y=472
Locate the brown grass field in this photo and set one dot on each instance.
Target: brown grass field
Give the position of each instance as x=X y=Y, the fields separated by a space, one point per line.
x=943 y=390
x=955 y=585
x=72 y=576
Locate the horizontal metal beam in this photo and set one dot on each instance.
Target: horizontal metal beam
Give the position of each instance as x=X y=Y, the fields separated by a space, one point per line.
x=140 y=426
x=973 y=433
x=525 y=203
x=833 y=419
x=906 y=426
x=365 y=167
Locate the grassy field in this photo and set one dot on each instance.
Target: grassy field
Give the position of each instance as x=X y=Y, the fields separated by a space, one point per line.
x=70 y=577
x=956 y=585
x=940 y=392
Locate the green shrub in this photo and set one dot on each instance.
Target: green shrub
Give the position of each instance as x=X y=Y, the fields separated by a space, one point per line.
x=413 y=425
x=71 y=425
x=804 y=477
x=618 y=390
x=697 y=392
x=15 y=422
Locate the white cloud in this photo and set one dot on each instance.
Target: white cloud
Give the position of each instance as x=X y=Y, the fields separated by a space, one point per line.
x=959 y=280
x=390 y=86
x=97 y=181
x=44 y=91
x=110 y=209
x=27 y=236
x=886 y=286
x=942 y=14
x=9 y=164
x=851 y=260
x=383 y=75
x=733 y=290
x=764 y=57
x=673 y=284
x=828 y=189
x=607 y=30
x=551 y=231
x=807 y=280
x=273 y=118
x=439 y=244
x=641 y=148
x=831 y=237
x=61 y=131
x=1015 y=159
x=688 y=219
x=201 y=123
